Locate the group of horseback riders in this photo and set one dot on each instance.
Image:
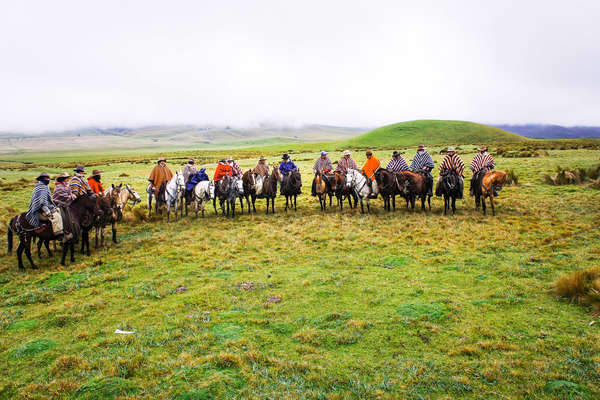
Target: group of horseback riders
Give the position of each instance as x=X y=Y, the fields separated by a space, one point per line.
x=422 y=163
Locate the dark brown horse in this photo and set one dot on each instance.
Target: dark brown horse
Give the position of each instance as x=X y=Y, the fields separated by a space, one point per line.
x=485 y=185
x=450 y=188
x=386 y=181
x=341 y=190
x=322 y=189
x=269 y=190
x=249 y=182
x=412 y=185
x=83 y=206
x=226 y=190
x=110 y=205
x=292 y=189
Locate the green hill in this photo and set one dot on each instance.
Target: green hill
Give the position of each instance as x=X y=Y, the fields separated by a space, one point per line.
x=432 y=132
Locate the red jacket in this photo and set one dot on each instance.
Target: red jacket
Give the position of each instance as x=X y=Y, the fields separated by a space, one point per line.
x=221 y=171
x=96 y=186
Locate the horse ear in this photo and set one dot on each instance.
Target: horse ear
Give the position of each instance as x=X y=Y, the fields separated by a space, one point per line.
x=113 y=186
x=120 y=185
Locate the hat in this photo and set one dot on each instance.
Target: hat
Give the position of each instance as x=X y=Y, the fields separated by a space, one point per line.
x=262 y=158
x=450 y=149
x=96 y=172
x=222 y=160
x=369 y=153
x=43 y=175
x=161 y=159
x=483 y=148
x=63 y=176
x=229 y=158
x=323 y=153
x=421 y=147
x=395 y=153
x=346 y=153
x=191 y=161
x=79 y=168
x=285 y=157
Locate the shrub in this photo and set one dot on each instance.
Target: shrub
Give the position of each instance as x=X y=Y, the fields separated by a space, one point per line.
x=582 y=287
x=512 y=178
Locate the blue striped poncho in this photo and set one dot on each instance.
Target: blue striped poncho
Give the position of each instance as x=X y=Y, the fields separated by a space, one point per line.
x=40 y=201
x=421 y=160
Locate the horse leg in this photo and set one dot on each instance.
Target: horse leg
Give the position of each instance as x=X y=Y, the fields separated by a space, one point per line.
x=253 y=197
x=492 y=204
x=286 y=202
x=72 y=248
x=273 y=205
x=149 y=206
x=394 y=202
x=295 y=198
x=215 y=204
x=87 y=244
x=39 y=248
x=97 y=230
x=28 y=253
x=362 y=208
x=102 y=231
x=445 y=204
x=368 y=206
x=453 y=205
x=65 y=247
x=114 y=232
x=423 y=203
x=47 y=244
x=429 y=202
x=20 y=249
x=267 y=205
x=242 y=205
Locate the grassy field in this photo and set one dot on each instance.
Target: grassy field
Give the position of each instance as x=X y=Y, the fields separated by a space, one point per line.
x=307 y=305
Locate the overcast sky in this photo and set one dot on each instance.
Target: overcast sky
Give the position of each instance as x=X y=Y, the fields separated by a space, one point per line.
x=67 y=64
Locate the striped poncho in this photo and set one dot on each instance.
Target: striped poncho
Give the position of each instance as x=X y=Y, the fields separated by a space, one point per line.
x=322 y=165
x=452 y=162
x=481 y=161
x=62 y=196
x=79 y=185
x=397 y=164
x=40 y=201
x=345 y=164
x=421 y=160
x=236 y=170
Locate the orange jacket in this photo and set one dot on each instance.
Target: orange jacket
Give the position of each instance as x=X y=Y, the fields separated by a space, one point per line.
x=370 y=167
x=221 y=171
x=95 y=186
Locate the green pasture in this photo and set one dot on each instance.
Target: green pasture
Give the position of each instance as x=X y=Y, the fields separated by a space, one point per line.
x=309 y=305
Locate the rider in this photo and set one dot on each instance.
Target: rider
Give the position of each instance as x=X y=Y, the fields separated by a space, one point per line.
x=223 y=169
x=160 y=174
x=452 y=162
x=423 y=163
x=481 y=164
x=78 y=184
x=62 y=195
x=41 y=207
x=285 y=167
x=397 y=163
x=236 y=170
x=189 y=169
x=94 y=182
x=322 y=165
x=262 y=168
x=346 y=163
x=371 y=166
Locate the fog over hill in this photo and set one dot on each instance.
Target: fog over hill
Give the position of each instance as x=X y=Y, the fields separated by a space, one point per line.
x=551 y=131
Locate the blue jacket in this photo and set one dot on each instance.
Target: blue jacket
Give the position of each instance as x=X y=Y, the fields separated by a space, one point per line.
x=287 y=167
x=194 y=179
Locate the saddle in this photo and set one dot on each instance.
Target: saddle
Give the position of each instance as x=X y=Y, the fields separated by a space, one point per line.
x=22 y=227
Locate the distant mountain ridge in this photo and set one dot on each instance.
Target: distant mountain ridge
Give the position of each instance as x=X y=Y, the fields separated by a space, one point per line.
x=544 y=131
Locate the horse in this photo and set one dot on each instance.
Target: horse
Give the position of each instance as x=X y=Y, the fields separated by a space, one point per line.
x=238 y=181
x=322 y=189
x=82 y=206
x=203 y=191
x=450 y=189
x=413 y=185
x=484 y=186
x=386 y=181
x=110 y=205
x=126 y=194
x=339 y=189
x=269 y=189
x=291 y=189
x=252 y=185
x=357 y=182
x=226 y=190
x=169 y=194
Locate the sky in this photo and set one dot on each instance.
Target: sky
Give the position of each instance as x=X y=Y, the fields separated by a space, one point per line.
x=70 y=64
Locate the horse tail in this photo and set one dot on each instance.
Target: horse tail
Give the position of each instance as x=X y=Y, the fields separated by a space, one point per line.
x=9 y=237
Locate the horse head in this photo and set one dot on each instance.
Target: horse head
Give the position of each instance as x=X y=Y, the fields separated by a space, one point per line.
x=133 y=195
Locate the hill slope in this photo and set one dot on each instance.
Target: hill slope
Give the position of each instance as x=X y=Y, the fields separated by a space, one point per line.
x=432 y=132
x=553 y=131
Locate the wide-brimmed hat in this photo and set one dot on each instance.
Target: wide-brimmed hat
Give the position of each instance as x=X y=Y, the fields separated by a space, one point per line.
x=369 y=153
x=323 y=153
x=421 y=147
x=451 y=149
x=229 y=158
x=285 y=157
x=161 y=159
x=395 y=153
x=79 y=168
x=63 y=176
x=222 y=160
x=346 y=153
x=191 y=161
x=43 y=175
x=262 y=158
x=483 y=148
x=96 y=172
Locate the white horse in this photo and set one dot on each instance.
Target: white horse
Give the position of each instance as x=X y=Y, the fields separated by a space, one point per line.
x=357 y=182
x=173 y=192
x=203 y=191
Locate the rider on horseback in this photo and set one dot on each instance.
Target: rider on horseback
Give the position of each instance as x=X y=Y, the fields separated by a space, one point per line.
x=236 y=170
x=371 y=166
x=452 y=162
x=262 y=168
x=41 y=207
x=78 y=185
x=323 y=166
x=422 y=163
x=189 y=169
x=94 y=182
x=346 y=163
x=222 y=170
x=160 y=174
x=285 y=168
x=481 y=164
x=397 y=163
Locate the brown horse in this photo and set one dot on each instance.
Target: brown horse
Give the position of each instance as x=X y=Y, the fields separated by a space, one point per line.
x=322 y=189
x=291 y=189
x=249 y=182
x=386 y=181
x=485 y=187
x=412 y=185
x=82 y=207
x=111 y=206
x=269 y=189
x=340 y=189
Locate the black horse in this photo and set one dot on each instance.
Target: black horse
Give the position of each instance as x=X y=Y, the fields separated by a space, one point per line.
x=291 y=189
x=451 y=190
x=226 y=190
